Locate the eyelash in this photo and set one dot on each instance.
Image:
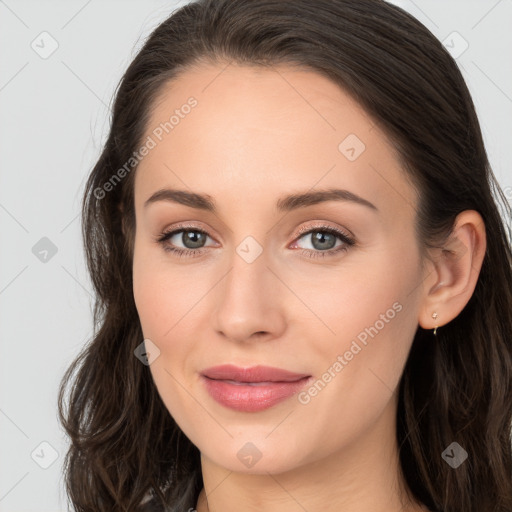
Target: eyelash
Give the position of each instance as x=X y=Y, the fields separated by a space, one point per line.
x=310 y=253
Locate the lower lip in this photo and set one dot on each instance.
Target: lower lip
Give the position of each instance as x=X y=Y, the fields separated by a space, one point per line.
x=252 y=398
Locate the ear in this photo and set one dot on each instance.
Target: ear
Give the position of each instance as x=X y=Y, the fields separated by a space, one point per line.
x=453 y=273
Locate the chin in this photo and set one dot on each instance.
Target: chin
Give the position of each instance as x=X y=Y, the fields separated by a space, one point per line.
x=256 y=458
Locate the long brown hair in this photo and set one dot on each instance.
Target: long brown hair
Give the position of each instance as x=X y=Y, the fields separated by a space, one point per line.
x=457 y=387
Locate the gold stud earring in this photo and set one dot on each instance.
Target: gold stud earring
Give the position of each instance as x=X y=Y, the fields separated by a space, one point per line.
x=434 y=316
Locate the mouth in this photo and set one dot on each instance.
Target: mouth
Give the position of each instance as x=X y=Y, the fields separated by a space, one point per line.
x=252 y=389
x=255 y=374
x=238 y=383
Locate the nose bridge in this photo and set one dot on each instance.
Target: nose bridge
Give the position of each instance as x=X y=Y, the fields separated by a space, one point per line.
x=248 y=298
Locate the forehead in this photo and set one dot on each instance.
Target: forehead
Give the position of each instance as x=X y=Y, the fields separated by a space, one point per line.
x=253 y=129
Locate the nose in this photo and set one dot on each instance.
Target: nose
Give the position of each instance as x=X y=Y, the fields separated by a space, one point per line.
x=251 y=305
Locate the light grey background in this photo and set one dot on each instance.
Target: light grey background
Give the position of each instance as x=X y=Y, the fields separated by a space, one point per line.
x=54 y=119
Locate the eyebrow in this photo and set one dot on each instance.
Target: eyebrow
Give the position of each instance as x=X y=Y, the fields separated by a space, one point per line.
x=284 y=204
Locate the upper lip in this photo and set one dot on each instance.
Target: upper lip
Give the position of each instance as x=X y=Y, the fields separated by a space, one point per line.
x=253 y=374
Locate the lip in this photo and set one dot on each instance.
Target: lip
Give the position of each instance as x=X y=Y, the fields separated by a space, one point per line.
x=251 y=389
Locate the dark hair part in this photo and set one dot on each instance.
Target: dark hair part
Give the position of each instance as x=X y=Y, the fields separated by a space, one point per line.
x=455 y=387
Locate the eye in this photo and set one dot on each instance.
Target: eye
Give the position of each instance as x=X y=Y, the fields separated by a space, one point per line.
x=323 y=241
x=192 y=238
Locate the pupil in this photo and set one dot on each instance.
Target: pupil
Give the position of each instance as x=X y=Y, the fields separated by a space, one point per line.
x=319 y=240
x=194 y=238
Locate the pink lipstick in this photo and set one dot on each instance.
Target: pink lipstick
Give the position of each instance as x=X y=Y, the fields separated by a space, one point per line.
x=251 y=389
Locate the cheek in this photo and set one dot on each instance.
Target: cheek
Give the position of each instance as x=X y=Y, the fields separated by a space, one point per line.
x=164 y=306
x=163 y=294
x=371 y=311
x=374 y=318
x=171 y=306
x=372 y=296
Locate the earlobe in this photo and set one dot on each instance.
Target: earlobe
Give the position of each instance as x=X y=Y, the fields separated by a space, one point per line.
x=457 y=266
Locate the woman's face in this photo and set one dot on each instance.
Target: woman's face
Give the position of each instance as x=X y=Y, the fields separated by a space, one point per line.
x=271 y=282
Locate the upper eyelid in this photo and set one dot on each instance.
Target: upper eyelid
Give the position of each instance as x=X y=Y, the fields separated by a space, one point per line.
x=317 y=224
x=324 y=226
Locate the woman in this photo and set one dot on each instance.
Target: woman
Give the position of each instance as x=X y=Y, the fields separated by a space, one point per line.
x=303 y=279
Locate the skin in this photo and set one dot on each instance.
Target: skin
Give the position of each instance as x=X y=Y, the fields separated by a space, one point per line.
x=255 y=136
